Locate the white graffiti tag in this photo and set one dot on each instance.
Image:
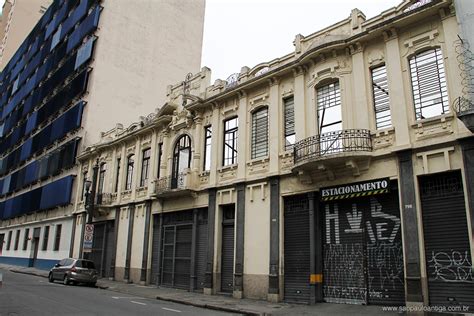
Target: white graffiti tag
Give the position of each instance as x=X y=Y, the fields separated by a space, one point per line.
x=454 y=266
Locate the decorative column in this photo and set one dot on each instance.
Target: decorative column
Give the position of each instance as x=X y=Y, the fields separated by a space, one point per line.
x=114 y=252
x=398 y=107
x=467 y=147
x=146 y=242
x=239 y=242
x=211 y=218
x=128 y=258
x=243 y=139
x=274 y=272
x=165 y=157
x=193 y=281
x=216 y=144
x=410 y=228
x=299 y=103
x=275 y=126
x=312 y=249
x=359 y=115
x=198 y=143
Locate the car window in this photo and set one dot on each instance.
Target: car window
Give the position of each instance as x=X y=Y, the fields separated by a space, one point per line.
x=68 y=262
x=62 y=262
x=85 y=264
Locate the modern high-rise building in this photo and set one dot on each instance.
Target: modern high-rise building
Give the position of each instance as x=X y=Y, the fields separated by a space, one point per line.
x=17 y=20
x=84 y=66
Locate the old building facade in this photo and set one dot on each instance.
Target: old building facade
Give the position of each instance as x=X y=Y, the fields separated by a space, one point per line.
x=84 y=66
x=338 y=173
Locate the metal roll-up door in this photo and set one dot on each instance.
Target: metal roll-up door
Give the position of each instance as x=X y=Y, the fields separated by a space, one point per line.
x=446 y=238
x=296 y=250
x=344 y=272
x=155 y=250
x=384 y=252
x=182 y=258
x=227 y=268
x=201 y=249
x=97 y=247
x=109 y=247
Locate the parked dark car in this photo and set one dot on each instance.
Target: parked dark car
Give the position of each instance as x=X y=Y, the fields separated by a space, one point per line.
x=74 y=271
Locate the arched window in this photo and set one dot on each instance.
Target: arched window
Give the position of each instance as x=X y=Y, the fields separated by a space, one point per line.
x=130 y=165
x=181 y=159
x=260 y=133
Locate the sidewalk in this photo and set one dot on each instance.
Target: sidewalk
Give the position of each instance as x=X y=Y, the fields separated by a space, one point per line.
x=220 y=302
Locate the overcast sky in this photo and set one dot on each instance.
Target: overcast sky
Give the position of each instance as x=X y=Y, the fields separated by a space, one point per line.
x=247 y=32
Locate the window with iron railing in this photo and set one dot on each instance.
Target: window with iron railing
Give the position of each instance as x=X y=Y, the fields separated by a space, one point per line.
x=289 y=116
x=9 y=240
x=231 y=128
x=259 y=133
x=381 y=97
x=160 y=154
x=430 y=92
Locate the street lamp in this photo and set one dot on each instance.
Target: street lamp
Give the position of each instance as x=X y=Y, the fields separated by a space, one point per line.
x=90 y=188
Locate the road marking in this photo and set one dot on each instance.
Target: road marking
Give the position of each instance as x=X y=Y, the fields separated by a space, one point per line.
x=128 y=297
x=140 y=303
x=171 y=310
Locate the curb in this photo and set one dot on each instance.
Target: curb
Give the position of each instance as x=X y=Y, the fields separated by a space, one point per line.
x=28 y=272
x=213 y=307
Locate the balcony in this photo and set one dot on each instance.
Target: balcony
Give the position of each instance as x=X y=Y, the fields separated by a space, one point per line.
x=351 y=147
x=465 y=112
x=182 y=185
x=105 y=199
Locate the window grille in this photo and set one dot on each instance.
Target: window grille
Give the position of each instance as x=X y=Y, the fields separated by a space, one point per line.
x=381 y=97
x=430 y=93
x=289 y=115
x=230 y=141
x=260 y=133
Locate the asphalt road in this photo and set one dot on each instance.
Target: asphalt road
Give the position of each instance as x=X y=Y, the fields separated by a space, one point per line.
x=22 y=294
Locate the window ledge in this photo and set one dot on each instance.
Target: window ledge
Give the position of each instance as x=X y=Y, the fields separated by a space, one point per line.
x=383 y=131
x=228 y=168
x=258 y=161
x=205 y=173
x=433 y=120
x=286 y=153
x=125 y=192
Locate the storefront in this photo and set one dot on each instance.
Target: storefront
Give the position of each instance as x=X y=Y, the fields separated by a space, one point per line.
x=179 y=249
x=103 y=247
x=361 y=253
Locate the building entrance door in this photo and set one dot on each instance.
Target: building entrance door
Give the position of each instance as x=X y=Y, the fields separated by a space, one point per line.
x=102 y=247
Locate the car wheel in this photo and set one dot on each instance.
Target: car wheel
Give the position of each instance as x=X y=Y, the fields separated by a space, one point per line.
x=93 y=284
x=50 y=277
x=65 y=280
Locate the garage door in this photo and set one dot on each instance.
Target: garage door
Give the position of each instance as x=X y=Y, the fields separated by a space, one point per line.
x=447 y=251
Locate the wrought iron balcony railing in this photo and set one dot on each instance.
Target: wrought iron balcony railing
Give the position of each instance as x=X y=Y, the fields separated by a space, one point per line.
x=463 y=105
x=320 y=146
x=166 y=184
x=104 y=199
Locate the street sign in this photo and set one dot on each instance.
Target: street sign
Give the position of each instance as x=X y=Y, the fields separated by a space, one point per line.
x=88 y=237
